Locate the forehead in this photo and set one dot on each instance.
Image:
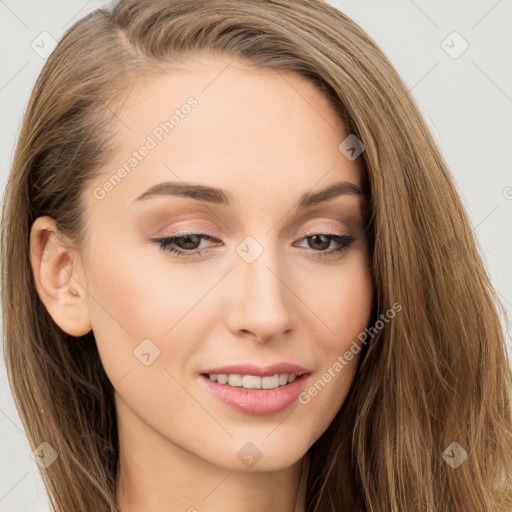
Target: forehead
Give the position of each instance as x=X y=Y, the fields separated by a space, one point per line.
x=259 y=133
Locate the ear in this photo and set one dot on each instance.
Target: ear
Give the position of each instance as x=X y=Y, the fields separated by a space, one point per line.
x=59 y=277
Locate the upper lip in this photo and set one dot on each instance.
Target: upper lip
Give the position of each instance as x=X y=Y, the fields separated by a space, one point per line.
x=260 y=371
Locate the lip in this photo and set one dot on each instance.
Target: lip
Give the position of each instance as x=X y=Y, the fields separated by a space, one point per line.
x=257 y=402
x=259 y=371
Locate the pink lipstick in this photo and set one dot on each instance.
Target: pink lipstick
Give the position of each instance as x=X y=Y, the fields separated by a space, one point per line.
x=254 y=389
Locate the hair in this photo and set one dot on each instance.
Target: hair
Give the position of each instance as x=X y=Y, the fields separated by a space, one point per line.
x=437 y=373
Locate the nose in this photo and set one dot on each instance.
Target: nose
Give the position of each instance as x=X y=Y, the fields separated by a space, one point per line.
x=262 y=303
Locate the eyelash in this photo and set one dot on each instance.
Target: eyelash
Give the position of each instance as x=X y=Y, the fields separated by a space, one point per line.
x=166 y=244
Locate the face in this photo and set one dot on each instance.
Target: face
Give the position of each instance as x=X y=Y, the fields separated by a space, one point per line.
x=182 y=281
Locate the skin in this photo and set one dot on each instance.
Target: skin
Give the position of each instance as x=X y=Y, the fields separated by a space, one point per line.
x=266 y=137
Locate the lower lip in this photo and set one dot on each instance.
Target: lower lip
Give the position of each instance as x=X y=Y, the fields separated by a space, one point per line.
x=257 y=401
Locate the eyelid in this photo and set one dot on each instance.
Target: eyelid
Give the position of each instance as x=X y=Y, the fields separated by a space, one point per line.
x=311 y=230
x=307 y=232
x=205 y=226
x=198 y=230
x=314 y=230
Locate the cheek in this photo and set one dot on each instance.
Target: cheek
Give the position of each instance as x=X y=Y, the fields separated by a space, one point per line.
x=341 y=299
x=137 y=298
x=344 y=305
x=131 y=302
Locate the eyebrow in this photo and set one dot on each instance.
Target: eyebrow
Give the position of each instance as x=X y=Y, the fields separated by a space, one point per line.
x=221 y=197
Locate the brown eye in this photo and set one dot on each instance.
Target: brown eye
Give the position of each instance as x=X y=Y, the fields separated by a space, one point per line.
x=318 y=243
x=184 y=246
x=189 y=242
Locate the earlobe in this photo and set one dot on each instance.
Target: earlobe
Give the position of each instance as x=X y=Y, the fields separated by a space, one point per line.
x=59 y=277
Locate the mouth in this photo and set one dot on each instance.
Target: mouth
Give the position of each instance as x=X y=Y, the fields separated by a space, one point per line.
x=267 y=393
x=252 y=381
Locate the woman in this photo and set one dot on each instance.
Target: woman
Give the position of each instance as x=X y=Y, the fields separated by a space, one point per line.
x=237 y=274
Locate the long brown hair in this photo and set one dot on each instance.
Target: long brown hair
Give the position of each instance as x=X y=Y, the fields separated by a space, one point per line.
x=437 y=374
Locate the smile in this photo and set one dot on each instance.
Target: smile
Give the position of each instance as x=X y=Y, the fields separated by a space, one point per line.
x=253 y=381
x=255 y=395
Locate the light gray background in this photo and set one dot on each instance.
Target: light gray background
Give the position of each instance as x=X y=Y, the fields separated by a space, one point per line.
x=467 y=102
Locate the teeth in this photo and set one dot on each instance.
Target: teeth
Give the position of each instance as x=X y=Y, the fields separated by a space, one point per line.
x=270 y=382
x=253 y=381
x=234 y=380
x=222 y=378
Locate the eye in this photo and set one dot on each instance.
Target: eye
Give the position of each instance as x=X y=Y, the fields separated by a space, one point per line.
x=320 y=242
x=188 y=245
x=189 y=242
